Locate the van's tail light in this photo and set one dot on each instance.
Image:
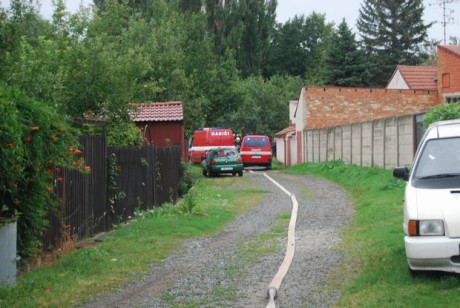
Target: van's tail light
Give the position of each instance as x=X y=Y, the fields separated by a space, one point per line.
x=212 y=162
x=239 y=161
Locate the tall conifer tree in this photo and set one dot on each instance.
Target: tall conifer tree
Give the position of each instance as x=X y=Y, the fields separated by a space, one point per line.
x=345 y=64
x=392 y=32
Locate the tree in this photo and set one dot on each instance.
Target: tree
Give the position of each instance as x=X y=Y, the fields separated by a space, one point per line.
x=345 y=64
x=190 y=5
x=3 y=41
x=244 y=27
x=298 y=48
x=258 y=106
x=392 y=33
x=225 y=25
x=19 y=21
x=259 y=20
x=318 y=34
x=287 y=55
x=454 y=40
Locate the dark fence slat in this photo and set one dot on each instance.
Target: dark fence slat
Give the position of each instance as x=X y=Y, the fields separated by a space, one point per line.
x=167 y=168
x=148 y=178
x=85 y=194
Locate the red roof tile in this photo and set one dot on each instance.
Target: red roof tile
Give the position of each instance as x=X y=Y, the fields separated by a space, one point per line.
x=285 y=131
x=418 y=77
x=148 y=112
x=454 y=49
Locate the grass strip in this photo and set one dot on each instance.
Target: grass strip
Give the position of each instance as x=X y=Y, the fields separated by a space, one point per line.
x=375 y=271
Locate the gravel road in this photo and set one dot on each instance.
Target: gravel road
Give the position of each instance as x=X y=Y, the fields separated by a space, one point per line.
x=219 y=271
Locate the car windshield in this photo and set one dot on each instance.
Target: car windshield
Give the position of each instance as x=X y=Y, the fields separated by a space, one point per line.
x=256 y=142
x=440 y=158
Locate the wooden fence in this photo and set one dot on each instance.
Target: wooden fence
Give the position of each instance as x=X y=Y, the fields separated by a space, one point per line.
x=148 y=176
x=93 y=203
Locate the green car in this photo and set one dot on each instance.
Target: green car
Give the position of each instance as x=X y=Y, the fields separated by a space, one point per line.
x=222 y=160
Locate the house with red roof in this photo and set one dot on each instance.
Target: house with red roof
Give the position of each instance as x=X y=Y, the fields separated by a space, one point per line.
x=161 y=124
x=406 y=77
x=448 y=75
x=369 y=126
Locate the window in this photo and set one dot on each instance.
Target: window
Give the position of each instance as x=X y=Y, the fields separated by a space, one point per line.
x=452 y=99
x=256 y=142
x=446 y=80
x=439 y=156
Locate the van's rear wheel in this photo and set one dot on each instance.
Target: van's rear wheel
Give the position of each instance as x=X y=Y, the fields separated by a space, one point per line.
x=240 y=173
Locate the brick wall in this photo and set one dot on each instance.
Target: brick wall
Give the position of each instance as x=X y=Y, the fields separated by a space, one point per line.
x=448 y=72
x=333 y=106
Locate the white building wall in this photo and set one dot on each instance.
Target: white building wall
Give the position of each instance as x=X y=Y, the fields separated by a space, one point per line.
x=397 y=82
x=293 y=141
x=280 y=150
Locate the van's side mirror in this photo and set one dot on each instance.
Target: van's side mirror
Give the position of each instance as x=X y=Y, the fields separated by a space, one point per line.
x=401 y=173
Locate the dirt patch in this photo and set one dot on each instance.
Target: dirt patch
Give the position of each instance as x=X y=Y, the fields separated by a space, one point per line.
x=50 y=258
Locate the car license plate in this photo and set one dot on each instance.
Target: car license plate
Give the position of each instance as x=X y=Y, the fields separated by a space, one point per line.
x=255 y=156
x=226 y=168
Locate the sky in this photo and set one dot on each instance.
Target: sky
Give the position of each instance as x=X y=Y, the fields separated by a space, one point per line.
x=335 y=11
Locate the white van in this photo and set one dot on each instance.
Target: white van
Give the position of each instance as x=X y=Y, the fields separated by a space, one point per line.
x=432 y=200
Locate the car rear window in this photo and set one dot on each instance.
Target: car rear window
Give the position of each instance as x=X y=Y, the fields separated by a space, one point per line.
x=225 y=153
x=255 y=142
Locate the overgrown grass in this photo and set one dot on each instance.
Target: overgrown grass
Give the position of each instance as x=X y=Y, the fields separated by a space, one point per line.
x=276 y=165
x=130 y=250
x=375 y=271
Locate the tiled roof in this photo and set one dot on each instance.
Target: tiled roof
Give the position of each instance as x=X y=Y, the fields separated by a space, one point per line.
x=418 y=77
x=285 y=131
x=454 y=49
x=148 y=112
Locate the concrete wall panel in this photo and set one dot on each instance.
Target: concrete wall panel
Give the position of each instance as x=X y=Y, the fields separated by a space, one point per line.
x=384 y=143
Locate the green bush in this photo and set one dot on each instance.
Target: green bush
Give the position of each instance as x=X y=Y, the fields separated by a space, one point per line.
x=121 y=133
x=35 y=144
x=187 y=178
x=442 y=112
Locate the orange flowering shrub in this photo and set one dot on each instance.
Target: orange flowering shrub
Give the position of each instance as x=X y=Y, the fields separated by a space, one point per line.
x=34 y=146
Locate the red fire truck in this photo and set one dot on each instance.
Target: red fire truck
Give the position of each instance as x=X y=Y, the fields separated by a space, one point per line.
x=204 y=139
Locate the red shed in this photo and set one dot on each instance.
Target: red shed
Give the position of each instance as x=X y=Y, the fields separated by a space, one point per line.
x=162 y=124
